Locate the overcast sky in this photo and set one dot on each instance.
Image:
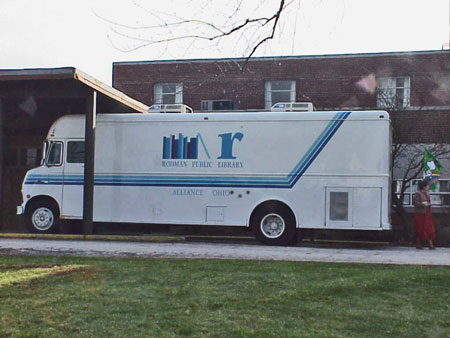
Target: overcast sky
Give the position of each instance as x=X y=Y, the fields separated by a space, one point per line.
x=80 y=33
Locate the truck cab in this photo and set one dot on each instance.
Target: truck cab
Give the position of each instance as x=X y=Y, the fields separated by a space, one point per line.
x=43 y=187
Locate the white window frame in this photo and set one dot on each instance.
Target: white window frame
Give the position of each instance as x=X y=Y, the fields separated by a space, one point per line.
x=159 y=94
x=389 y=89
x=268 y=92
x=439 y=198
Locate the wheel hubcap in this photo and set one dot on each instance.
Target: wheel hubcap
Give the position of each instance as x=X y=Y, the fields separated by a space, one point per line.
x=43 y=219
x=272 y=226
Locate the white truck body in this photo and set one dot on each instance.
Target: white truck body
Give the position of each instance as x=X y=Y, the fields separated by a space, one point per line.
x=331 y=170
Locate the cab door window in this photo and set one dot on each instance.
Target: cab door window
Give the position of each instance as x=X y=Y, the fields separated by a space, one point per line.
x=75 y=152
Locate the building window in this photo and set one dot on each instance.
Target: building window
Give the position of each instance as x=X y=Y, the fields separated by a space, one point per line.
x=210 y=105
x=393 y=92
x=168 y=93
x=279 y=91
x=440 y=196
x=22 y=157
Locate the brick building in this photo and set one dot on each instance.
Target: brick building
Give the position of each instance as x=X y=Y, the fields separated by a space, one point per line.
x=413 y=86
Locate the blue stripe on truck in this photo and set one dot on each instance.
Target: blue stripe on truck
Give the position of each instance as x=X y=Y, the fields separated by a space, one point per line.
x=206 y=181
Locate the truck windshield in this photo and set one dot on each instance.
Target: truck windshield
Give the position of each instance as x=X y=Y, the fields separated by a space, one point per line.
x=44 y=152
x=55 y=154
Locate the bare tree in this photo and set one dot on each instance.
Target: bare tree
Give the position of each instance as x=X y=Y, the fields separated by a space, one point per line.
x=236 y=24
x=407 y=158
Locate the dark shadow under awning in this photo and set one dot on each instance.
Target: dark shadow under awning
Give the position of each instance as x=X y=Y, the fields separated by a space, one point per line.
x=66 y=82
x=32 y=99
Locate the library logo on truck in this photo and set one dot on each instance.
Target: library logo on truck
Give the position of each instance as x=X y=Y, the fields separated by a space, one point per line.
x=181 y=147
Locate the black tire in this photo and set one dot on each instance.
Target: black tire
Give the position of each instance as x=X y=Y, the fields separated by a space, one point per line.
x=273 y=223
x=42 y=217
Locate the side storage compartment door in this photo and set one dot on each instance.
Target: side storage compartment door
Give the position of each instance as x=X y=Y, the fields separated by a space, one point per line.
x=73 y=179
x=357 y=208
x=367 y=208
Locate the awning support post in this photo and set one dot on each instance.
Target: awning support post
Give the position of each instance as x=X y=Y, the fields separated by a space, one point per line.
x=1 y=164
x=88 y=191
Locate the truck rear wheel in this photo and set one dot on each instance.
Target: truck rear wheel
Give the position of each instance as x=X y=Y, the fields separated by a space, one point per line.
x=41 y=217
x=273 y=223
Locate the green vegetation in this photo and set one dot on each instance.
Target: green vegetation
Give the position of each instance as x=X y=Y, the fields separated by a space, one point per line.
x=89 y=297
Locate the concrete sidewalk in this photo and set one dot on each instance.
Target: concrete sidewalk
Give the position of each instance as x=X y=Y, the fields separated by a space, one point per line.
x=378 y=255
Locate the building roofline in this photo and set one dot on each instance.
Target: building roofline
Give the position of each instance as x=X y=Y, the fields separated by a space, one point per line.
x=289 y=57
x=37 y=74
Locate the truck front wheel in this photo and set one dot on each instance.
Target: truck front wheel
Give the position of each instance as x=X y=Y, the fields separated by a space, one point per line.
x=273 y=223
x=41 y=217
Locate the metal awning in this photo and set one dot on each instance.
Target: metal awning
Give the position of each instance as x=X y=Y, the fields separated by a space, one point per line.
x=114 y=94
x=98 y=97
x=115 y=98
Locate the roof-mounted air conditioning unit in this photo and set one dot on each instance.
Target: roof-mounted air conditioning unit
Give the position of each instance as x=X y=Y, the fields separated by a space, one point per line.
x=170 y=108
x=293 y=106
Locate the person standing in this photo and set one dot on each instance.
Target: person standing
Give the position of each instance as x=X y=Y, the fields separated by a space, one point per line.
x=423 y=221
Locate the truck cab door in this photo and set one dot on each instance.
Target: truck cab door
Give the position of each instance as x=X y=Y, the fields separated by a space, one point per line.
x=73 y=179
x=51 y=175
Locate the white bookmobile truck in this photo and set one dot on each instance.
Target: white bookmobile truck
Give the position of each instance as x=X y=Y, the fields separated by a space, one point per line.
x=274 y=172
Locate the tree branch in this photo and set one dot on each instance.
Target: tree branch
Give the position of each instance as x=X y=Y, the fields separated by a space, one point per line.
x=207 y=30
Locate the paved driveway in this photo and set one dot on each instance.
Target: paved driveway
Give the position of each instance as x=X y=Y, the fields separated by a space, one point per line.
x=382 y=254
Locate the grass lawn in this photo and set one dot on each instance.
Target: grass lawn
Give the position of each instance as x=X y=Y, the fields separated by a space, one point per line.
x=111 y=297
